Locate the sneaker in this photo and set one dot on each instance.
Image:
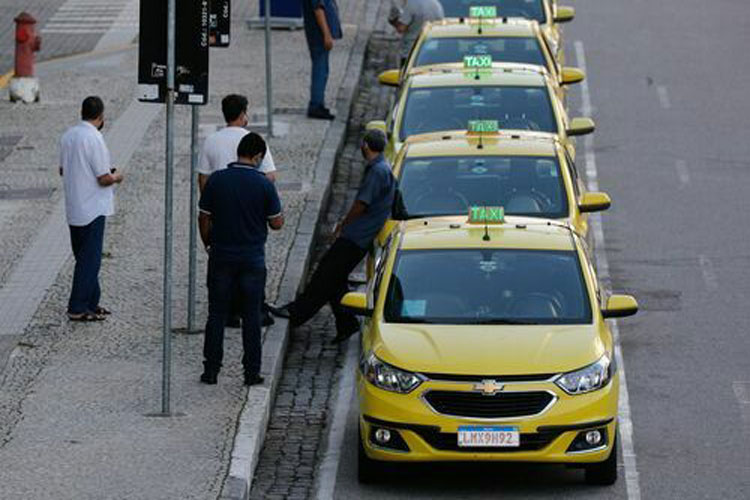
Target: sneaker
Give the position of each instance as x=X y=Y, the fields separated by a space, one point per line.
x=280 y=311
x=253 y=379
x=209 y=378
x=320 y=113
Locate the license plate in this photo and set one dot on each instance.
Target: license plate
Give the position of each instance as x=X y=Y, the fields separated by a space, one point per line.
x=481 y=437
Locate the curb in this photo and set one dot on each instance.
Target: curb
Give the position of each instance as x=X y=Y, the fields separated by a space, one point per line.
x=253 y=420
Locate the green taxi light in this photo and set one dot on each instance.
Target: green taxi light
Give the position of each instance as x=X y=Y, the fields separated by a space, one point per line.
x=486 y=215
x=482 y=11
x=478 y=61
x=483 y=126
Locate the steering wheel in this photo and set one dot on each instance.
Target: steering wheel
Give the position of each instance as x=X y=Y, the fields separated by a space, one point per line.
x=439 y=197
x=541 y=199
x=536 y=305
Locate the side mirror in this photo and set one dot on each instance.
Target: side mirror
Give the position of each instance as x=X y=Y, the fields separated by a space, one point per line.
x=620 y=306
x=570 y=75
x=594 y=202
x=390 y=77
x=356 y=302
x=376 y=124
x=565 y=14
x=580 y=126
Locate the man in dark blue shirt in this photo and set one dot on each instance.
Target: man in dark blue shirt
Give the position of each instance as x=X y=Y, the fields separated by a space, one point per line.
x=354 y=236
x=322 y=27
x=237 y=206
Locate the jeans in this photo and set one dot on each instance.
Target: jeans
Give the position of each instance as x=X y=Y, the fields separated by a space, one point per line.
x=329 y=283
x=224 y=280
x=87 y=242
x=319 y=78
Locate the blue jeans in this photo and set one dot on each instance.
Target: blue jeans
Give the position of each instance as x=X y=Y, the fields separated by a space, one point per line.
x=224 y=280
x=87 y=242
x=319 y=78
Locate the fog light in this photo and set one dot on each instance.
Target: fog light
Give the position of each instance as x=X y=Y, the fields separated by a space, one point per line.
x=593 y=437
x=382 y=436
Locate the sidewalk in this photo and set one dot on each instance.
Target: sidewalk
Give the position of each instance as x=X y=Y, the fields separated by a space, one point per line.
x=74 y=398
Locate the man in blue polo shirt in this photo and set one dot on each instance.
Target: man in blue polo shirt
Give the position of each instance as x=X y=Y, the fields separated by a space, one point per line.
x=354 y=237
x=237 y=206
x=322 y=27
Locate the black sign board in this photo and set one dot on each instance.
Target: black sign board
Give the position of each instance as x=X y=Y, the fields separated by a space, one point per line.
x=220 y=21
x=191 y=52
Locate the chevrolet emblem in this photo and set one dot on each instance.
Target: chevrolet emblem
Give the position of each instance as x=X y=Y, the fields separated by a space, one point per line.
x=488 y=387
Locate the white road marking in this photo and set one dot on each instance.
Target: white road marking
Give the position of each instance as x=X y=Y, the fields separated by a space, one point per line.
x=663 y=97
x=329 y=465
x=709 y=275
x=624 y=416
x=77 y=17
x=682 y=173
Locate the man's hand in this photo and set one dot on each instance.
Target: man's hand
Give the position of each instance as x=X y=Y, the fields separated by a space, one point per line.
x=328 y=43
x=336 y=231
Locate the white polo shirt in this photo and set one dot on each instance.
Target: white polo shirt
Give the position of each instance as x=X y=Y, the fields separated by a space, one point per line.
x=84 y=157
x=220 y=149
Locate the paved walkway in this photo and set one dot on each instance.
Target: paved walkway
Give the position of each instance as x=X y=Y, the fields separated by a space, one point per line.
x=74 y=397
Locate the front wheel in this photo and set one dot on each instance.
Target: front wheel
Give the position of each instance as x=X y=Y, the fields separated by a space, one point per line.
x=604 y=473
x=368 y=470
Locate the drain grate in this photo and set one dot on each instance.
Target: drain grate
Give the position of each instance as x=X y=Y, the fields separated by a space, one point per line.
x=26 y=194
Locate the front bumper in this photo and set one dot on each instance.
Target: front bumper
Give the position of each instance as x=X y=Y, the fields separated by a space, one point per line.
x=430 y=436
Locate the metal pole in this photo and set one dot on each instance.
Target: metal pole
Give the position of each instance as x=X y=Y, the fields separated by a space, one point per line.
x=269 y=94
x=193 y=220
x=169 y=168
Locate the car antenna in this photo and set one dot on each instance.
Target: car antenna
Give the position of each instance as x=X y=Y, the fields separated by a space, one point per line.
x=486 y=236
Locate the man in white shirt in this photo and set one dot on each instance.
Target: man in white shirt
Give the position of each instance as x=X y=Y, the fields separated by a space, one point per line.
x=409 y=20
x=88 y=179
x=219 y=150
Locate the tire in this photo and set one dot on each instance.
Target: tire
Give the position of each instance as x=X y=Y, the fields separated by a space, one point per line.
x=604 y=473
x=369 y=471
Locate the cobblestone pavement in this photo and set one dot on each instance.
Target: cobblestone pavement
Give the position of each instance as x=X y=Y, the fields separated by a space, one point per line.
x=287 y=464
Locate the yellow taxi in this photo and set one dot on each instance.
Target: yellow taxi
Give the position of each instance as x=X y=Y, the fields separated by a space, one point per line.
x=547 y=13
x=529 y=174
x=486 y=341
x=504 y=40
x=447 y=97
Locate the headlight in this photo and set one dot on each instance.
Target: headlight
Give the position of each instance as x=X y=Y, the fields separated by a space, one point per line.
x=588 y=379
x=385 y=376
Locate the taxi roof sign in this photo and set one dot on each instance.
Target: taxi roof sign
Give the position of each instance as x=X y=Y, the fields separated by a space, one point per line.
x=483 y=126
x=478 y=61
x=482 y=11
x=486 y=215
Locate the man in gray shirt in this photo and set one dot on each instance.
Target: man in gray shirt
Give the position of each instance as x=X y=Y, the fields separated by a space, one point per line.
x=409 y=19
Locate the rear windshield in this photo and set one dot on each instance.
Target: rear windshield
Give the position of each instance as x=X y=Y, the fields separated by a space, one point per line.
x=524 y=50
x=487 y=286
x=450 y=108
x=529 y=9
x=523 y=185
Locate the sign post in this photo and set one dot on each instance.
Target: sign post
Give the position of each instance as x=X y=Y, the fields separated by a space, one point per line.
x=269 y=95
x=193 y=243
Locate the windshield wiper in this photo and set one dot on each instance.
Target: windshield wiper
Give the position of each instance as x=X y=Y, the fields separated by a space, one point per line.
x=504 y=321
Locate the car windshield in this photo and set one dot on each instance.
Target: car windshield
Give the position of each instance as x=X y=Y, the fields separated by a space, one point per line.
x=450 y=108
x=523 y=185
x=529 y=9
x=487 y=286
x=524 y=50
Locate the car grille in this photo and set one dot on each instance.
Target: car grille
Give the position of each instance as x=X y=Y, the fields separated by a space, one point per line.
x=448 y=441
x=478 y=405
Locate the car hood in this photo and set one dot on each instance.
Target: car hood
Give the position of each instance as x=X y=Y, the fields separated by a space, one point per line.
x=488 y=349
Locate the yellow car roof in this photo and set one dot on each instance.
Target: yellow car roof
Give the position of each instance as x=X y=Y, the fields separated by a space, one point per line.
x=454 y=75
x=448 y=28
x=462 y=143
x=518 y=233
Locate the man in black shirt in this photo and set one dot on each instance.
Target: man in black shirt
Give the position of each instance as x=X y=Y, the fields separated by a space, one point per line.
x=237 y=206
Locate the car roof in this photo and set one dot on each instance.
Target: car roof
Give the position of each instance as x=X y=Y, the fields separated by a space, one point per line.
x=517 y=233
x=463 y=143
x=454 y=75
x=514 y=27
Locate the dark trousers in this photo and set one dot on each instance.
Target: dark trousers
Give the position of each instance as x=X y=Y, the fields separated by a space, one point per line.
x=224 y=280
x=87 y=242
x=329 y=284
x=319 y=75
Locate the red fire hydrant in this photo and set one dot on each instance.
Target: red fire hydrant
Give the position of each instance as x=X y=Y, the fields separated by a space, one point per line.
x=24 y=87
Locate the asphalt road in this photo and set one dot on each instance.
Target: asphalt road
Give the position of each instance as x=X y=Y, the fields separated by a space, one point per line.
x=667 y=83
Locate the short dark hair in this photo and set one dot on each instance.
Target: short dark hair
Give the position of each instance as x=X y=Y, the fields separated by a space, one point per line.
x=375 y=139
x=233 y=106
x=92 y=108
x=251 y=145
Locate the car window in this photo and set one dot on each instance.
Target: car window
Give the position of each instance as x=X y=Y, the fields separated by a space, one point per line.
x=523 y=185
x=524 y=50
x=487 y=286
x=450 y=108
x=529 y=9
